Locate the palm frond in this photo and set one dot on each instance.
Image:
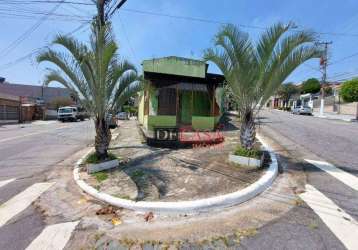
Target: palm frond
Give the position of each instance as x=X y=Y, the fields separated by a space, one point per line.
x=96 y=73
x=255 y=72
x=69 y=67
x=128 y=92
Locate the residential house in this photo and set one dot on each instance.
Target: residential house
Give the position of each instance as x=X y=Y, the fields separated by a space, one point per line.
x=35 y=101
x=179 y=94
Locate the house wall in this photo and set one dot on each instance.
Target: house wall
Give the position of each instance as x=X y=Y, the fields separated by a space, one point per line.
x=141 y=108
x=200 y=117
x=161 y=121
x=176 y=66
x=203 y=122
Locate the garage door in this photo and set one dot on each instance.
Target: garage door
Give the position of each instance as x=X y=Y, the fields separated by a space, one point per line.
x=9 y=113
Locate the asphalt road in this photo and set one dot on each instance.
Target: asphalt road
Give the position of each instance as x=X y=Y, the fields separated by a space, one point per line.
x=27 y=151
x=334 y=140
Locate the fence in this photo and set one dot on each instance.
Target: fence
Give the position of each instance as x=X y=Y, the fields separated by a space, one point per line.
x=335 y=104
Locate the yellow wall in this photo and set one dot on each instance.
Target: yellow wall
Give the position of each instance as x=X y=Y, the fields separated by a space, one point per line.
x=141 y=109
x=145 y=121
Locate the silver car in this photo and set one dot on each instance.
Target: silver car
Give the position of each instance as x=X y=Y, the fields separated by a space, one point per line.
x=122 y=116
x=302 y=110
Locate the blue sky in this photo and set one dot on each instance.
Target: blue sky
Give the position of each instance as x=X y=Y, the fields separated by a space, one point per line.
x=143 y=36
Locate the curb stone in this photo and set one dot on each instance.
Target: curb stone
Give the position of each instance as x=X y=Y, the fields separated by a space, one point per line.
x=185 y=207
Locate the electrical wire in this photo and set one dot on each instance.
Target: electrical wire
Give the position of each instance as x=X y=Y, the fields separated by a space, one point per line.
x=28 y=32
x=128 y=41
x=44 y=2
x=29 y=55
x=344 y=58
x=212 y=21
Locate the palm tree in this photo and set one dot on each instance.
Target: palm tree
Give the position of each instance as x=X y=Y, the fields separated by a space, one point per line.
x=254 y=72
x=95 y=74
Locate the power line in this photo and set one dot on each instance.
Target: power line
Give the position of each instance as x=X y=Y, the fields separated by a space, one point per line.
x=128 y=41
x=117 y=7
x=344 y=58
x=28 y=32
x=206 y=20
x=44 y=2
x=29 y=55
x=312 y=68
x=31 y=18
x=36 y=13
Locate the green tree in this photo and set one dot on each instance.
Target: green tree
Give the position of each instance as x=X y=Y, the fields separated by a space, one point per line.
x=286 y=91
x=312 y=85
x=255 y=71
x=102 y=82
x=349 y=90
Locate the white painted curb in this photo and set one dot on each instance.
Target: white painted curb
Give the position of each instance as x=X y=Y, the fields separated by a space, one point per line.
x=220 y=201
x=245 y=161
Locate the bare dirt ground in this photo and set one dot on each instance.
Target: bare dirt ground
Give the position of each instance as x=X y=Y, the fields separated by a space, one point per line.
x=219 y=229
x=173 y=175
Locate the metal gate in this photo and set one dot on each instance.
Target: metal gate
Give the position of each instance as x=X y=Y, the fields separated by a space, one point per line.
x=9 y=113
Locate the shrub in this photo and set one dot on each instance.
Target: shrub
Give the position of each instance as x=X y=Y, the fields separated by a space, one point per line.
x=312 y=85
x=349 y=91
x=100 y=176
x=93 y=158
x=251 y=153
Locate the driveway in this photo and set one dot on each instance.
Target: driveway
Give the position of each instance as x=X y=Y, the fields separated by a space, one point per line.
x=27 y=151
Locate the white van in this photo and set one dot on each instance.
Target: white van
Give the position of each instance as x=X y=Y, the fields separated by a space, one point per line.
x=70 y=113
x=67 y=114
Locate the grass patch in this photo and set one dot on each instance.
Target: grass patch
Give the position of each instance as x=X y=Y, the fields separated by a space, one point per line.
x=100 y=176
x=93 y=158
x=251 y=153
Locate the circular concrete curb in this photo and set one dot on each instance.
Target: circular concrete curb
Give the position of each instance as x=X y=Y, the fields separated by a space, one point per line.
x=194 y=206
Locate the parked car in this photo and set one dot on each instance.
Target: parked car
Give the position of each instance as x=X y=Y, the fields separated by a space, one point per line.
x=69 y=113
x=112 y=122
x=302 y=110
x=122 y=116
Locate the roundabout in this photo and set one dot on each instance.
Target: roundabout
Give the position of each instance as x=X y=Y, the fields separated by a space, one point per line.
x=183 y=207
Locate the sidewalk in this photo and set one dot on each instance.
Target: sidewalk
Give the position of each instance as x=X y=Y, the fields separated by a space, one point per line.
x=335 y=116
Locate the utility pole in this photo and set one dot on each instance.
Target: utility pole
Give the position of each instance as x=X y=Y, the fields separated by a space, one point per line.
x=323 y=66
x=119 y=5
x=101 y=7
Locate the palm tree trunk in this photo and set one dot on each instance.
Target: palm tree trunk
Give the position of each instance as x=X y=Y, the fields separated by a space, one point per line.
x=102 y=139
x=248 y=132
